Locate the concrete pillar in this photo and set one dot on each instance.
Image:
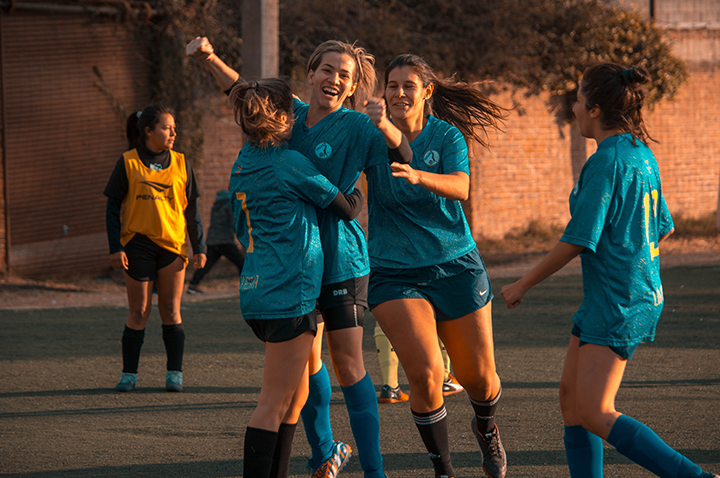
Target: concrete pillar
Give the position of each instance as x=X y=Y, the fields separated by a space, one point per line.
x=260 y=32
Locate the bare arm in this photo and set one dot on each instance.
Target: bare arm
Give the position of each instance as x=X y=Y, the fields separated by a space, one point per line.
x=662 y=238
x=201 y=49
x=396 y=141
x=454 y=186
x=561 y=254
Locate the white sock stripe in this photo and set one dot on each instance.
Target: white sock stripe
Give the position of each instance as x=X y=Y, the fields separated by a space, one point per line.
x=429 y=420
x=489 y=403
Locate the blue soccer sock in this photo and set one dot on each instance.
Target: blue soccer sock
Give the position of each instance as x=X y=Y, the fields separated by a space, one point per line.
x=316 y=417
x=584 y=451
x=639 y=443
x=362 y=405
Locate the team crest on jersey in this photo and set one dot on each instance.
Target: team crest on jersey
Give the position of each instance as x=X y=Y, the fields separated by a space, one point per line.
x=323 y=150
x=432 y=157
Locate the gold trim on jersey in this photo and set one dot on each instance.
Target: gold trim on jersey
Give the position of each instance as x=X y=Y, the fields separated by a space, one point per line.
x=155 y=203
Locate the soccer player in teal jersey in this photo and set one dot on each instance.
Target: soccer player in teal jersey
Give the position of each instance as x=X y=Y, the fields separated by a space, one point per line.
x=427 y=278
x=341 y=143
x=274 y=191
x=619 y=218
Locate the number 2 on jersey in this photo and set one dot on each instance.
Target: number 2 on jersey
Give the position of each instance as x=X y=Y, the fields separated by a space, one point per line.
x=241 y=197
x=654 y=249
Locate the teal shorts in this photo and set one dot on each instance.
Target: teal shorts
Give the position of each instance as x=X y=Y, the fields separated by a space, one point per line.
x=455 y=288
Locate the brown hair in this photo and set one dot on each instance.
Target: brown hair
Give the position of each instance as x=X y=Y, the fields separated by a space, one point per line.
x=364 y=75
x=460 y=104
x=259 y=107
x=618 y=92
x=138 y=121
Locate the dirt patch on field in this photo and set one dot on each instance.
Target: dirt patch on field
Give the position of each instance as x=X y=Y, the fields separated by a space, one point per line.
x=513 y=260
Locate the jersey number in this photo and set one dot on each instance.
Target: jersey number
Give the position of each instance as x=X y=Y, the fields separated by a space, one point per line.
x=654 y=249
x=241 y=197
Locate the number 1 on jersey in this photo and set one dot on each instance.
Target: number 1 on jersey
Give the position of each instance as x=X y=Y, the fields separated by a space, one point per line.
x=654 y=249
x=241 y=197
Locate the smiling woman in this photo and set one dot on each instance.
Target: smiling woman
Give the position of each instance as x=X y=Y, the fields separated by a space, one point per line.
x=427 y=279
x=341 y=143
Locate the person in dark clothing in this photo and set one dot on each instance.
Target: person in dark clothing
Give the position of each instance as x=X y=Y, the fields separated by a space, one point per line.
x=220 y=240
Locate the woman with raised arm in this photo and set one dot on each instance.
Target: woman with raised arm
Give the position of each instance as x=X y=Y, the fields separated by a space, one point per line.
x=341 y=143
x=275 y=192
x=427 y=279
x=151 y=209
x=619 y=218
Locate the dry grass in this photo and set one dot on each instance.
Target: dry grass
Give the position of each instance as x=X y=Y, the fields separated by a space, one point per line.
x=691 y=235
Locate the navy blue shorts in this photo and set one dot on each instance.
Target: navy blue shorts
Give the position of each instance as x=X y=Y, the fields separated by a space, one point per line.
x=282 y=330
x=455 y=289
x=145 y=258
x=624 y=352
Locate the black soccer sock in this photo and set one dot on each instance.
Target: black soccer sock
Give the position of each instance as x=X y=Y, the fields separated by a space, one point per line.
x=434 y=433
x=485 y=413
x=283 y=449
x=174 y=338
x=259 y=451
x=132 y=341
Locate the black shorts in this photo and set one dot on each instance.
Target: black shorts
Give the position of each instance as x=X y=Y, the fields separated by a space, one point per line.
x=145 y=258
x=282 y=330
x=347 y=292
x=623 y=352
x=343 y=304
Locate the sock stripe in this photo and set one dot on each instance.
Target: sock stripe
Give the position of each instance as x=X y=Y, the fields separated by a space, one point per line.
x=489 y=403
x=436 y=416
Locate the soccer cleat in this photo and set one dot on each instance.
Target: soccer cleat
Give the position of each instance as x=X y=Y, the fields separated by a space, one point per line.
x=709 y=475
x=127 y=383
x=392 y=395
x=194 y=289
x=173 y=381
x=339 y=458
x=451 y=385
x=494 y=461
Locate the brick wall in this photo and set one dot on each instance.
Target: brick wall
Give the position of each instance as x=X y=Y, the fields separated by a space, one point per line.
x=223 y=140
x=529 y=171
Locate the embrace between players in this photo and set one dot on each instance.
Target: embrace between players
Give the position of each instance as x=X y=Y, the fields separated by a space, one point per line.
x=420 y=273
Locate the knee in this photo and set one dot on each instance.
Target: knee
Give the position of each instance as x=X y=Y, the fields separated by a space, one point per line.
x=169 y=311
x=349 y=372
x=138 y=317
x=484 y=385
x=424 y=380
x=566 y=397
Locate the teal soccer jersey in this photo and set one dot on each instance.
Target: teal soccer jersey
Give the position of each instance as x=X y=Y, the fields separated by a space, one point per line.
x=274 y=194
x=410 y=226
x=618 y=215
x=341 y=146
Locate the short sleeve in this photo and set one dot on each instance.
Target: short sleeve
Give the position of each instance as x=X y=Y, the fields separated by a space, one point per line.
x=666 y=221
x=117 y=186
x=455 y=153
x=590 y=203
x=374 y=145
x=301 y=177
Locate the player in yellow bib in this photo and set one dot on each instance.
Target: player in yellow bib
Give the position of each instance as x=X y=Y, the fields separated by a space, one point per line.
x=151 y=209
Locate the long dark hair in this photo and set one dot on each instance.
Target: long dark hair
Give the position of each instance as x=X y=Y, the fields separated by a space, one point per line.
x=460 y=104
x=258 y=107
x=137 y=122
x=619 y=94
